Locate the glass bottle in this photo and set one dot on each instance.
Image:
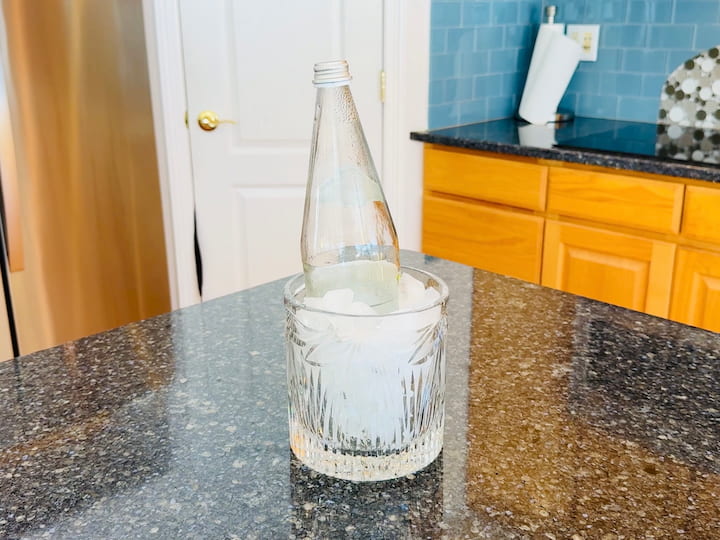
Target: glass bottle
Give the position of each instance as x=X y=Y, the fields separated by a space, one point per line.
x=348 y=236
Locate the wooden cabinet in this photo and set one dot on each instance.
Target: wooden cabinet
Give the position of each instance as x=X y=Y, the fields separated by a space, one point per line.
x=478 y=210
x=629 y=271
x=701 y=218
x=696 y=290
x=499 y=180
x=616 y=199
x=498 y=240
x=642 y=241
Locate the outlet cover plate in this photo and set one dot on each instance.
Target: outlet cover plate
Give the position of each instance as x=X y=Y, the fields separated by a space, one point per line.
x=587 y=36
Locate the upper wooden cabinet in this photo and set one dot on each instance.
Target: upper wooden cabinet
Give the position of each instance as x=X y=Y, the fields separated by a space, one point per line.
x=616 y=199
x=477 y=176
x=621 y=269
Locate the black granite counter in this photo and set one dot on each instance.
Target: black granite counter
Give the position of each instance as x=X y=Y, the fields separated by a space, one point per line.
x=566 y=418
x=669 y=150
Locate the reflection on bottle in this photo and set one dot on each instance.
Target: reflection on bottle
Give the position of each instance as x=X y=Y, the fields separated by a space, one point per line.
x=326 y=507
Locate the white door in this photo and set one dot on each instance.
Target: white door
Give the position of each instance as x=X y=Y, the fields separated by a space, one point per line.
x=251 y=63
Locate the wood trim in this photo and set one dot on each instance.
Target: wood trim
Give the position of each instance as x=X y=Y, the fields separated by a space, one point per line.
x=662 y=265
x=167 y=86
x=406 y=64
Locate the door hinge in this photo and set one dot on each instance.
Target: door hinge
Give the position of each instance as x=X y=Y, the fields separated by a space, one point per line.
x=383 y=85
x=186 y=120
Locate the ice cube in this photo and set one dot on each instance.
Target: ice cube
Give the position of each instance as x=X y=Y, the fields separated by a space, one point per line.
x=432 y=295
x=338 y=300
x=360 y=308
x=411 y=292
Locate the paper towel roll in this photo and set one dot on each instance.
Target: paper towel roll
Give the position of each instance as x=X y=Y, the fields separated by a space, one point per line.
x=537 y=136
x=553 y=63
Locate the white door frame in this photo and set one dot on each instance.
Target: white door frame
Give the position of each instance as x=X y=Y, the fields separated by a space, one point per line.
x=406 y=63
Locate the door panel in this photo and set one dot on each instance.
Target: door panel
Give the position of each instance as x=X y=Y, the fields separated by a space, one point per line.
x=257 y=212
x=620 y=269
x=251 y=63
x=696 y=290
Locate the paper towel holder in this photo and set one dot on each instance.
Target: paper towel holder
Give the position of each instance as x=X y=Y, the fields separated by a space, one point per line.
x=552 y=64
x=561 y=115
x=550 y=12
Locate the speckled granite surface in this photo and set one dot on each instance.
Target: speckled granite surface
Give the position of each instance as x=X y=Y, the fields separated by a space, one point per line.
x=566 y=418
x=590 y=141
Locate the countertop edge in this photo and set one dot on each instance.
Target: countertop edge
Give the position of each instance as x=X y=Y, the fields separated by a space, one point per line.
x=583 y=157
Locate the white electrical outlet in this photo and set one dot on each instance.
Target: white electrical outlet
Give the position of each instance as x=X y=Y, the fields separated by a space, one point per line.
x=587 y=36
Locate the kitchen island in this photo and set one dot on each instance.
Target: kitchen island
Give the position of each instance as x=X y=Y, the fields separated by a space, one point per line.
x=565 y=418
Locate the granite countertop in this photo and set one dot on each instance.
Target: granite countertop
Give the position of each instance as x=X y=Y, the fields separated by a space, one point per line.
x=659 y=149
x=566 y=418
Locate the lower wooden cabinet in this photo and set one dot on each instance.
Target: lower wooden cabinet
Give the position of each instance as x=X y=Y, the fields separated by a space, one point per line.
x=696 y=289
x=629 y=271
x=642 y=241
x=700 y=217
x=502 y=241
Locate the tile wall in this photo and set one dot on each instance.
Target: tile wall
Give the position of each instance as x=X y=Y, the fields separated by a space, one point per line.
x=480 y=50
x=641 y=43
x=479 y=54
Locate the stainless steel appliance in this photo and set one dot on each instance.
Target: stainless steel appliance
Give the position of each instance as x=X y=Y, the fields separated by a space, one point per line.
x=81 y=212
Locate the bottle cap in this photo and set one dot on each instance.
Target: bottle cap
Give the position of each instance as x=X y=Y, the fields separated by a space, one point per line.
x=335 y=73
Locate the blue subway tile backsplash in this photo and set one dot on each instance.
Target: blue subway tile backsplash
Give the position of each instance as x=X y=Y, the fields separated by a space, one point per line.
x=689 y=11
x=488 y=43
x=445 y=14
x=671 y=36
x=644 y=61
x=642 y=11
x=480 y=51
x=475 y=13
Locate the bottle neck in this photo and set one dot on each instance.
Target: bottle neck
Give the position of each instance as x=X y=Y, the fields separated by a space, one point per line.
x=331 y=73
x=336 y=118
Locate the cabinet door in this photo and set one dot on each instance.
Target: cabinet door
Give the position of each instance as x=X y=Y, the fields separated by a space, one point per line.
x=700 y=218
x=620 y=269
x=696 y=289
x=490 y=238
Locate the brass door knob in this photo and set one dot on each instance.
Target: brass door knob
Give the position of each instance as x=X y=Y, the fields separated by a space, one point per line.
x=209 y=120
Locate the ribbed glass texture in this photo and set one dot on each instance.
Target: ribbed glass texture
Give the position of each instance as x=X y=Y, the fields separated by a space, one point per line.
x=366 y=392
